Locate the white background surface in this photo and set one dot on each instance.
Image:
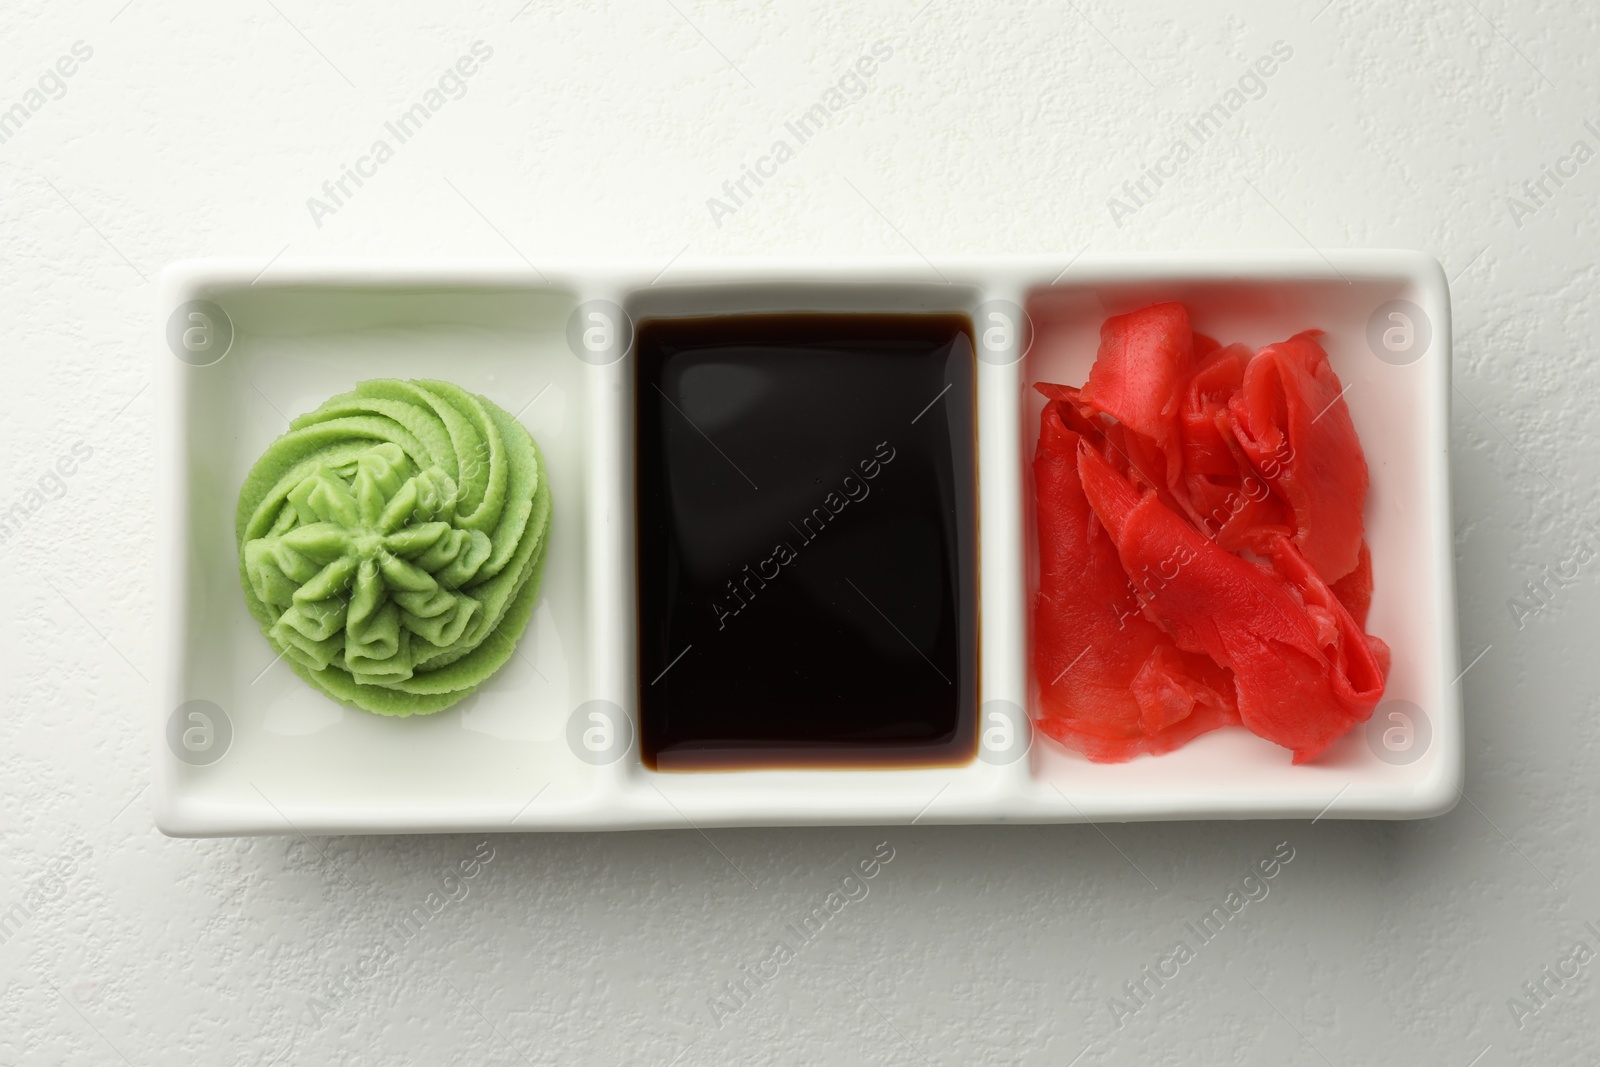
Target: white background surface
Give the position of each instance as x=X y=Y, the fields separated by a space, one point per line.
x=601 y=130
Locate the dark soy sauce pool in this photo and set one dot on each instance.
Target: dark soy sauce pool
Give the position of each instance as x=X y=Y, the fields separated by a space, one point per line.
x=807 y=540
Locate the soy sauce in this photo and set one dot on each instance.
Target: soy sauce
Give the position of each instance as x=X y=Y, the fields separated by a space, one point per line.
x=806 y=495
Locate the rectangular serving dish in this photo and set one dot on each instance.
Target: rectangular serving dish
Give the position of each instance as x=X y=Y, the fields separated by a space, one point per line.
x=243 y=746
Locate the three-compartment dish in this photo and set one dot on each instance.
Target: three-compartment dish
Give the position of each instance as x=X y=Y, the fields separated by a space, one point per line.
x=791 y=560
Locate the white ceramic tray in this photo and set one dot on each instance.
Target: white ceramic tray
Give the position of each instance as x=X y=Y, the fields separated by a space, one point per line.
x=242 y=745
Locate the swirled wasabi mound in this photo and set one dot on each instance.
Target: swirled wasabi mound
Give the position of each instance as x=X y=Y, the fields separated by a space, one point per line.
x=392 y=541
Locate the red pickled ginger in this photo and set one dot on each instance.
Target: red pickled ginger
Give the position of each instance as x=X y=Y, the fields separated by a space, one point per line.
x=1201 y=554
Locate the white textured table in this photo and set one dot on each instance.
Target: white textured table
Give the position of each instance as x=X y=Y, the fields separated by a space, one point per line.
x=189 y=129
